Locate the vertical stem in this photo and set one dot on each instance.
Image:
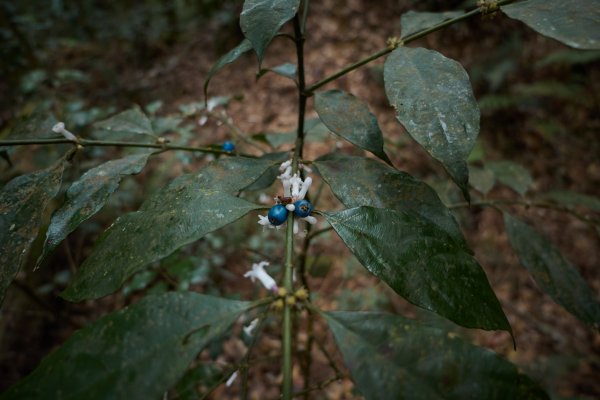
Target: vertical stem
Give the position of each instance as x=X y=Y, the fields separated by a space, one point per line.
x=287 y=311
x=289 y=243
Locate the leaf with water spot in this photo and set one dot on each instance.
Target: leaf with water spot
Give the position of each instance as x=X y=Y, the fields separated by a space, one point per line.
x=226 y=59
x=422 y=263
x=574 y=23
x=23 y=201
x=350 y=118
x=398 y=358
x=87 y=196
x=261 y=20
x=136 y=353
x=181 y=213
x=434 y=101
x=552 y=272
x=368 y=182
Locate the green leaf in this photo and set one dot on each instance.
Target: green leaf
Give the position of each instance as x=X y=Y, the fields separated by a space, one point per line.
x=568 y=57
x=408 y=360
x=87 y=196
x=512 y=175
x=286 y=70
x=361 y=181
x=261 y=20
x=136 y=353
x=483 y=180
x=434 y=101
x=422 y=263
x=226 y=59
x=196 y=382
x=37 y=125
x=129 y=124
x=181 y=213
x=573 y=199
x=269 y=176
x=350 y=118
x=574 y=23
x=22 y=204
x=414 y=21
x=552 y=272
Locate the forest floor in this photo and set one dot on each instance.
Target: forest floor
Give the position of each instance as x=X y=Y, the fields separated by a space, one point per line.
x=552 y=345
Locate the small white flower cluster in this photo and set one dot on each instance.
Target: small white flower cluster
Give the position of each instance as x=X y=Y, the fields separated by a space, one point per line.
x=258 y=272
x=294 y=189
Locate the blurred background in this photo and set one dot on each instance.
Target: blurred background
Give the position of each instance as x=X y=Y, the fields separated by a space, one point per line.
x=85 y=60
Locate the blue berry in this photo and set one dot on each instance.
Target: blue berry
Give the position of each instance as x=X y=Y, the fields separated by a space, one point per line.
x=277 y=214
x=303 y=208
x=228 y=146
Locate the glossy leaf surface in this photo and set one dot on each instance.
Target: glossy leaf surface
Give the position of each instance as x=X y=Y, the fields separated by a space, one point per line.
x=422 y=263
x=87 y=196
x=181 y=213
x=575 y=23
x=361 y=181
x=397 y=358
x=136 y=353
x=261 y=20
x=552 y=272
x=434 y=101
x=415 y=21
x=130 y=124
x=512 y=175
x=226 y=59
x=350 y=118
x=22 y=204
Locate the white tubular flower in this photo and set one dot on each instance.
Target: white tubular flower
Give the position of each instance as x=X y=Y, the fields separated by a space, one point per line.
x=231 y=379
x=285 y=165
x=264 y=198
x=306 y=169
x=305 y=186
x=296 y=182
x=264 y=221
x=287 y=184
x=310 y=219
x=250 y=328
x=296 y=227
x=258 y=272
x=60 y=128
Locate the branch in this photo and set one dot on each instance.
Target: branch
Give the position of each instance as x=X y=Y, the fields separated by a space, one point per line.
x=395 y=43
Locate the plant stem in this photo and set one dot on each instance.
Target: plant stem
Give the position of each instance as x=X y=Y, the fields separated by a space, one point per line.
x=410 y=38
x=289 y=243
x=287 y=311
x=104 y=143
x=524 y=203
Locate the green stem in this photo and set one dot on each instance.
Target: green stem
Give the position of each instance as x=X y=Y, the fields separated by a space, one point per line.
x=524 y=203
x=410 y=38
x=104 y=143
x=287 y=311
x=289 y=243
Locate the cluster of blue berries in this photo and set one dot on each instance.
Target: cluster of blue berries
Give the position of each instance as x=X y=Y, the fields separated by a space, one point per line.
x=278 y=213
